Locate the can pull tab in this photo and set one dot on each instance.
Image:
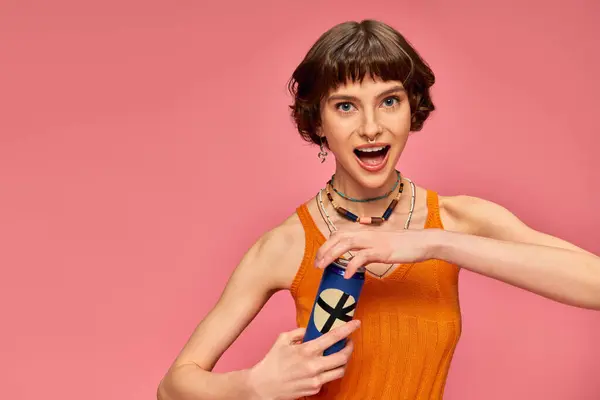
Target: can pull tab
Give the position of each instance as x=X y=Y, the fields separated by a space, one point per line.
x=343 y=263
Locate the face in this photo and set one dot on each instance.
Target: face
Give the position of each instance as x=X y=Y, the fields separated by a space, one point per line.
x=366 y=125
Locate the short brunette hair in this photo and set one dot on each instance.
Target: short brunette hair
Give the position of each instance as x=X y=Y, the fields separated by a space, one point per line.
x=349 y=51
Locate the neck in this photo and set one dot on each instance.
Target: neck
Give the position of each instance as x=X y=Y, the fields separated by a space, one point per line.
x=345 y=184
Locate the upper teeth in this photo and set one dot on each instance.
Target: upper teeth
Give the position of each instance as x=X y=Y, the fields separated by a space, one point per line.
x=369 y=149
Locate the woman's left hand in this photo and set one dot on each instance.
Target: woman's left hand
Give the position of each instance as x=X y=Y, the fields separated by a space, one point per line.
x=370 y=246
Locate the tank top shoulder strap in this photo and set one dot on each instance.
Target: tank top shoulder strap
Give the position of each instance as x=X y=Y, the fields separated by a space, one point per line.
x=433 y=206
x=311 y=243
x=310 y=228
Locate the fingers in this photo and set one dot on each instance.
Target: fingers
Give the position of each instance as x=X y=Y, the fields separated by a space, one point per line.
x=323 y=251
x=320 y=344
x=338 y=244
x=338 y=359
x=333 y=374
x=313 y=386
x=360 y=259
x=292 y=336
x=336 y=251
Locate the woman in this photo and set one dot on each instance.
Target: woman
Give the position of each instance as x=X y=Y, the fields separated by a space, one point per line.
x=357 y=94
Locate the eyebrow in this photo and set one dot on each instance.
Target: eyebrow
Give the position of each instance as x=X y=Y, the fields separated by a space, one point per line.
x=346 y=97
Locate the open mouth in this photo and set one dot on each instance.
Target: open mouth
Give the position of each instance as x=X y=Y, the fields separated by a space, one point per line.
x=372 y=156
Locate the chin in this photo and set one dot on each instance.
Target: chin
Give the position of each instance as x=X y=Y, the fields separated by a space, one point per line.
x=374 y=181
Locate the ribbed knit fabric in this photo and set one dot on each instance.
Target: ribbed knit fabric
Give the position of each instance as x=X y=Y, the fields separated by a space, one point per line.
x=410 y=324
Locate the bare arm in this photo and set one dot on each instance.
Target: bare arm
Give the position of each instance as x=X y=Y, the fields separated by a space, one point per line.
x=255 y=279
x=485 y=238
x=497 y=244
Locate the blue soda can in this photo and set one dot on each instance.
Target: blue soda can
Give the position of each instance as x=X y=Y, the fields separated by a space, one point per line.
x=335 y=302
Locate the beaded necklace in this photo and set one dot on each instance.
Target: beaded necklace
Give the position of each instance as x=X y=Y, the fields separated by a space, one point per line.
x=370 y=199
x=331 y=226
x=365 y=220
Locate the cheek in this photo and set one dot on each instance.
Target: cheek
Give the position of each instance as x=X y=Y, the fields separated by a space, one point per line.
x=398 y=122
x=338 y=128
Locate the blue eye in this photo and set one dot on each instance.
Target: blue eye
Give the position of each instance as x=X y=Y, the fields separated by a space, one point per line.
x=344 y=107
x=390 y=101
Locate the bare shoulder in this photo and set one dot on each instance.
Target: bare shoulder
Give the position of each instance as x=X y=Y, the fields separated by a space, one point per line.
x=473 y=215
x=280 y=251
x=480 y=217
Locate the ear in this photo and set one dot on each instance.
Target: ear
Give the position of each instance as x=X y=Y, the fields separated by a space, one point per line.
x=321 y=136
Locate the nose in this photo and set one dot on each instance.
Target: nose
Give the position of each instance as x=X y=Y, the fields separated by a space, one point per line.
x=370 y=127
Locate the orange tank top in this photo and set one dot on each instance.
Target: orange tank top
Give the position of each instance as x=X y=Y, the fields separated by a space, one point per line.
x=410 y=323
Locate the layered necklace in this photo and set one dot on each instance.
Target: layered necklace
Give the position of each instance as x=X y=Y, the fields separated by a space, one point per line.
x=366 y=220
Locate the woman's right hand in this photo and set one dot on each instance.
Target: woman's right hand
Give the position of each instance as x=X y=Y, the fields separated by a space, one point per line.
x=292 y=369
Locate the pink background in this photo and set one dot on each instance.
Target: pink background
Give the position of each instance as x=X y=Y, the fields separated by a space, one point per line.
x=132 y=182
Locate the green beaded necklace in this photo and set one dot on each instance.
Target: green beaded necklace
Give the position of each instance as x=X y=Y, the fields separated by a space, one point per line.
x=365 y=220
x=367 y=200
